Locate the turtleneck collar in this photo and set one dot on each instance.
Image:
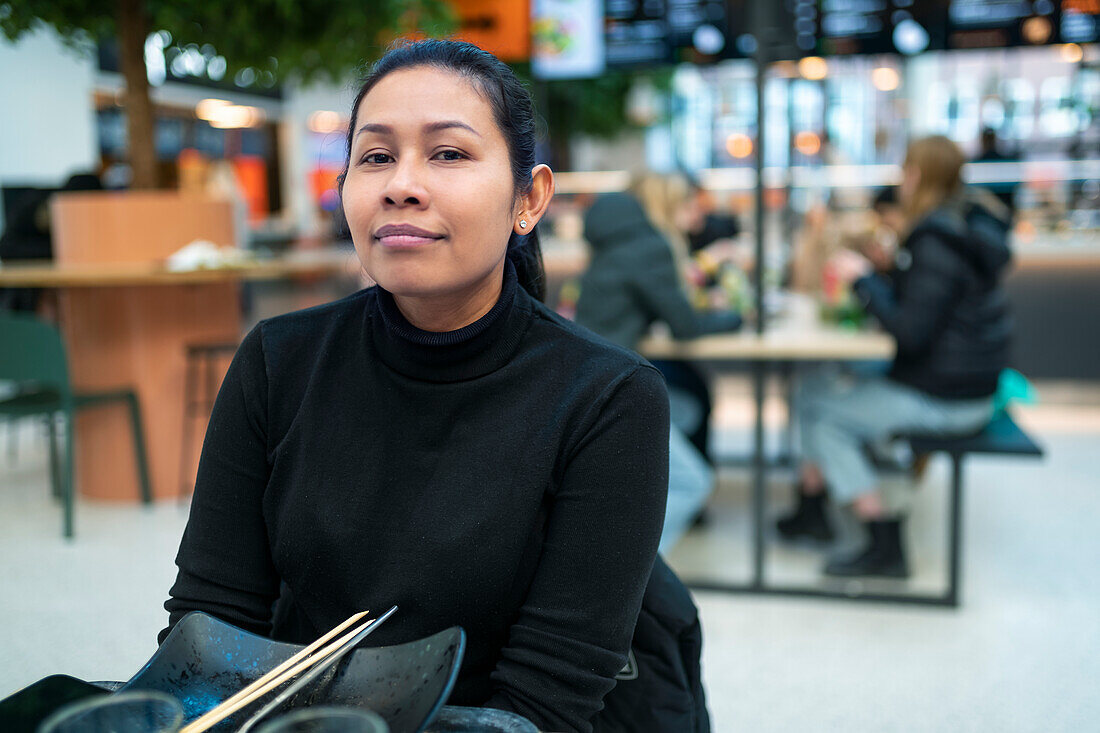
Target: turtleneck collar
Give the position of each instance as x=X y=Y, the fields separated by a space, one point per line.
x=451 y=356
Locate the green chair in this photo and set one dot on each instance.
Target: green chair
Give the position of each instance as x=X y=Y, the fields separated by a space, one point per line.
x=32 y=356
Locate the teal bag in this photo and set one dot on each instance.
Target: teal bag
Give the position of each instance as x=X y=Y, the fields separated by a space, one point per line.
x=1013 y=387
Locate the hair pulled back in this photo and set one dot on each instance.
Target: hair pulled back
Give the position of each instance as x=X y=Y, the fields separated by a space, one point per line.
x=940 y=162
x=513 y=111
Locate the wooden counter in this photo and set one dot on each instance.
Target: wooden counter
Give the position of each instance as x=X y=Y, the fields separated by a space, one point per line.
x=126 y=319
x=16 y=274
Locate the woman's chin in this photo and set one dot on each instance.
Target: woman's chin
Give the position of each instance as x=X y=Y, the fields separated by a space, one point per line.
x=407 y=284
x=431 y=280
x=405 y=278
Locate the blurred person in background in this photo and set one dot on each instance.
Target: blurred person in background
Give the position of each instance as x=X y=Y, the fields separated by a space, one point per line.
x=943 y=302
x=1002 y=187
x=704 y=223
x=27 y=236
x=881 y=245
x=822 y=244
x=632 y=281
x=636 y=277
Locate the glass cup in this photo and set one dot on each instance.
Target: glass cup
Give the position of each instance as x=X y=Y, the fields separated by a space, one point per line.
x=139 y=711
x=327 y=719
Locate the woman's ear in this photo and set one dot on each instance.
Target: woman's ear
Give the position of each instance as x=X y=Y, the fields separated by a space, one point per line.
x=534 y=203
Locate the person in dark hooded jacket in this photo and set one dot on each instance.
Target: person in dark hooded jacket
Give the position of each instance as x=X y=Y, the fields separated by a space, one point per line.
x=631 y=282
x=944 y=304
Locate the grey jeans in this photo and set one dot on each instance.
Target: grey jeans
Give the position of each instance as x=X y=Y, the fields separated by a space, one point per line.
x=840 y=414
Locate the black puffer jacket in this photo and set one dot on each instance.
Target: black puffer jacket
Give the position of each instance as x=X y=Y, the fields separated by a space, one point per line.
x=943 y=301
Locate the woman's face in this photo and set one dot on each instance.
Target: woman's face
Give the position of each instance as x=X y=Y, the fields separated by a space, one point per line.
x=428 y=195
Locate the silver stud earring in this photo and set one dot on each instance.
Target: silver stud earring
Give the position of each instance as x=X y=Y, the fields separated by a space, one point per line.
x=522 y=224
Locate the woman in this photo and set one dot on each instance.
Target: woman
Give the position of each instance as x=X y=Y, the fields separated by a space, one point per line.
x=944 y=304
x=443 y=441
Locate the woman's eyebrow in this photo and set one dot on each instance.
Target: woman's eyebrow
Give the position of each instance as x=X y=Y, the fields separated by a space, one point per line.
x=431 y=127
x=447 y=125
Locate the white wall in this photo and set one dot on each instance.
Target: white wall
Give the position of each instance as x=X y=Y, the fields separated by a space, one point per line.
x=47 y=115
x=48 y=124
x=627 y=152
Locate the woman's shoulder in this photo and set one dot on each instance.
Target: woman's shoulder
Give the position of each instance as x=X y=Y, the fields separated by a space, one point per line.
x=581 y=343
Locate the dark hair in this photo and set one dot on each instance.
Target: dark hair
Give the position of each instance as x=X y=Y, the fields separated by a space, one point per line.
x=513 y=111
x=887 y=196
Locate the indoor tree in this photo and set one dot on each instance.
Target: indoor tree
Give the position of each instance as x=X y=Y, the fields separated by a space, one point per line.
x=303 y=39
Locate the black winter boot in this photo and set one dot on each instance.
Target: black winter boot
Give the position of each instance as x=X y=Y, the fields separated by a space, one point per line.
x=808 y=519
x=883 y=556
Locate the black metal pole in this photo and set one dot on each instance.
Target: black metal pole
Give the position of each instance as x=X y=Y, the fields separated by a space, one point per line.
x=758 y=270
x=759 y=368
x=955 y=550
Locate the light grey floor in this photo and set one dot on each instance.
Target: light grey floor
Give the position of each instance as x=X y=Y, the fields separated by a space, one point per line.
x=1022 y=654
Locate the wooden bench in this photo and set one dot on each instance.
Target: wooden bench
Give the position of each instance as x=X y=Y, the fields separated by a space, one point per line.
x=1001 y=437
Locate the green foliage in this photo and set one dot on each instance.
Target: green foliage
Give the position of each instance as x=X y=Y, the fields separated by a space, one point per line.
x=76 y=21
x=595 y=107
x=309 y=38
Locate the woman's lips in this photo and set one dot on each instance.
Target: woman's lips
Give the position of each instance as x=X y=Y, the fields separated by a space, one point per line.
x=405 y=240
x=405 y=236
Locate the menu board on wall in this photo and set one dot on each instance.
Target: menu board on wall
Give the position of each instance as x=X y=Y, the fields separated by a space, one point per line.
x=1000 y=23
x=914 y=26
x=873 y=26
x=636 y=33
x=651 y=32
x=583 y=37
x=1079 y=21
x=699 y=26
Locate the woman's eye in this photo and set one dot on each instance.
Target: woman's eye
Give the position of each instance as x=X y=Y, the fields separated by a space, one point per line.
x=377 y=158
x=450 y=155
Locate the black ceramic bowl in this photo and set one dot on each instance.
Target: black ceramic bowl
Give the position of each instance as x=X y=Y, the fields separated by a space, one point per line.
x=205 y=660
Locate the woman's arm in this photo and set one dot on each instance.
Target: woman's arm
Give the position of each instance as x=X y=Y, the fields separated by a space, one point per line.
x=573 y=631
x=224 y=561
x=933 y=287
x=656 y=285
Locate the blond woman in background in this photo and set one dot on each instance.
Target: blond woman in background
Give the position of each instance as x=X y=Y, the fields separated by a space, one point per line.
x=943 y=302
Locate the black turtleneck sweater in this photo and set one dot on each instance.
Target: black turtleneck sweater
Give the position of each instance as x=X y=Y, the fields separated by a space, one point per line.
x=508 y=477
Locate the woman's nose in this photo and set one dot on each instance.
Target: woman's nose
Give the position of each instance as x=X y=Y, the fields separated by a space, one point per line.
x=405 y=187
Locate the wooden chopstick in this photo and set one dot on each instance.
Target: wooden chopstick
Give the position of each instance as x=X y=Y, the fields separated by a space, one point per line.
x=354 y=618
x=314 y=672
x=226 y=709
x=276 y=676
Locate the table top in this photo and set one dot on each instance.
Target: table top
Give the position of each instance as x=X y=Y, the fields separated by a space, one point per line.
x=785 y=342
x=38 y=274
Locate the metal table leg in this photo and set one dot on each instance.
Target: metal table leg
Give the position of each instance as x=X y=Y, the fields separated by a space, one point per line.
x=758 y=475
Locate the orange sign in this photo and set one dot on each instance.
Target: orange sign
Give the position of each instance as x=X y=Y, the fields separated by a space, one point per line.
x=251 y=173
x=1090 y=7
x=501 y=27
